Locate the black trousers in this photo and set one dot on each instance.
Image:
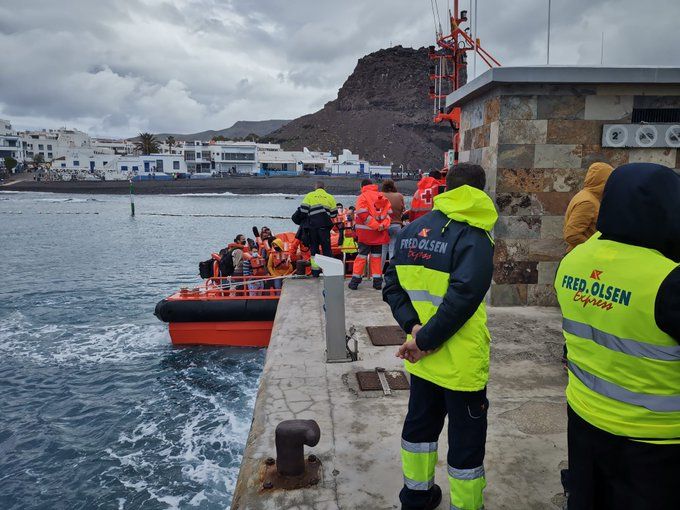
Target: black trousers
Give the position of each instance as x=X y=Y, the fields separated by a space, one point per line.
x=608 y=472
x=428 y=405
x=320 y=237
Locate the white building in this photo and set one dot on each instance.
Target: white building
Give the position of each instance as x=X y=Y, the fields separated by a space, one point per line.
x=351 y=164
x=54 y=144
x=113 y=146
x=151 y=166
x=113 y=167
x=10 y=144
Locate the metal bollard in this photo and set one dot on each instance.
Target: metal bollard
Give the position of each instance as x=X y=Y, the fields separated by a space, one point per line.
x=291 y=436
x=334 y=308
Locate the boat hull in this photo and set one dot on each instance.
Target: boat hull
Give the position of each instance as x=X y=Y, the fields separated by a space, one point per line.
x=233 y=333
x=218 y=319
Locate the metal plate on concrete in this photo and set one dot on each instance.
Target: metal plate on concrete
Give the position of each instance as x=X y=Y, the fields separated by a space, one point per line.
x=271 y=479
x=386 y=335
x=369 y=381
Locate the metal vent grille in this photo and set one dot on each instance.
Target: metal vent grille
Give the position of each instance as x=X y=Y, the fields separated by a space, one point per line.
x=656 y=115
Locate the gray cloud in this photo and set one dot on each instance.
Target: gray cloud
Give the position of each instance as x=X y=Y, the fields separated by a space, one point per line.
x=121 y=66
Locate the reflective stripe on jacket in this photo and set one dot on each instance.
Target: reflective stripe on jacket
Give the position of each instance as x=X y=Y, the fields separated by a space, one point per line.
x=439 y=276
x=624 y=371
x=318 y=209
x=372 y=216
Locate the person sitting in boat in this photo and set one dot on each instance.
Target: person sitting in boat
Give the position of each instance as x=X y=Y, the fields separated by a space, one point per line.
x=254 y=265
x=263 y=238
x=235 y=251
x=279 y=263
x=300 y=256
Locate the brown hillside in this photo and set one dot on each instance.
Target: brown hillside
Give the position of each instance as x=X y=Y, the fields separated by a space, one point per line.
x=382 y=109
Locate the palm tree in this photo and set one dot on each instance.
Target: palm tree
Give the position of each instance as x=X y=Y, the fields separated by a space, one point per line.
x=147 y=144
x=170 y=140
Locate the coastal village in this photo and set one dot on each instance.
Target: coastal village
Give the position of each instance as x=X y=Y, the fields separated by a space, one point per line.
x=69 y=154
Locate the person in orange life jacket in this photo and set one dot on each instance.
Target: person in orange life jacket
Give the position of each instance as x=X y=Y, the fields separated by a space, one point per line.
x=372 y=222
x=428 y=188
x=279 y=262
x=236 y=248
x=299 y=256
x=263 y=238
x=254 y=265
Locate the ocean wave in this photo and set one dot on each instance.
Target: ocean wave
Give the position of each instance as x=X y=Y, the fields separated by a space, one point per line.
x=81 y=344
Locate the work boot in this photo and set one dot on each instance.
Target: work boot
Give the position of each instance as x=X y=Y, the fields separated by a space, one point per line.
x=354 y=283
x=377 y=283
x=435 y=499
x=316 y=273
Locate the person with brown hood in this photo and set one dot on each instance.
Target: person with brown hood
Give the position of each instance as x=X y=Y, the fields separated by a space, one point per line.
x=580 y=219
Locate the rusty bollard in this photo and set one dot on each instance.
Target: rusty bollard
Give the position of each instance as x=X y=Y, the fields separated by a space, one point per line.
x=291 y=436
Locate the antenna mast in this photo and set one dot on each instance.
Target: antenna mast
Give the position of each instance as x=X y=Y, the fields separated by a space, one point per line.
x=448 y=69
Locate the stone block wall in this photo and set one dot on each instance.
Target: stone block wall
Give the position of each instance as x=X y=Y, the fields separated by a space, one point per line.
x=536 y=143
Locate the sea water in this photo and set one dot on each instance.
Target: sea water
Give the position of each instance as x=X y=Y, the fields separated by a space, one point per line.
x=97 y=409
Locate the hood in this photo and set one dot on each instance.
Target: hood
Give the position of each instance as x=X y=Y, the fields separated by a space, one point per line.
x=640 y=207
x=468 y=205
x=596 y=178
x=370 y=188
x=428 y=182
x=277 y=243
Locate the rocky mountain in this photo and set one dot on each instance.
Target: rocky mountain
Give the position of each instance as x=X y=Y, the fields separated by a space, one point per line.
x=382 y=112
x=240 y=129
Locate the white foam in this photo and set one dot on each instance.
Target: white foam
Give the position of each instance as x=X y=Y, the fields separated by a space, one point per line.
x=80 y=344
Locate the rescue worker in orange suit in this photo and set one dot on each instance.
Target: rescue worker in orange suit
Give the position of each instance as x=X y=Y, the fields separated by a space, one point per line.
x=428 y=188
x=435 y=286
x=279 y=263
x=371 y=223
x=619 y=293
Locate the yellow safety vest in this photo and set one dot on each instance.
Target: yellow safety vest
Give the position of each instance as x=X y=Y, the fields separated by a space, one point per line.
x=624 y=372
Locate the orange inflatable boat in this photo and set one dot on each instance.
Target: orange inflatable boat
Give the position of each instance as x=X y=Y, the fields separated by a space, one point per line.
x=234 y=311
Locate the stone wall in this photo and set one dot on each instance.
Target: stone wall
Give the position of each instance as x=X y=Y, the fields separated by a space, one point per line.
x=536 y=142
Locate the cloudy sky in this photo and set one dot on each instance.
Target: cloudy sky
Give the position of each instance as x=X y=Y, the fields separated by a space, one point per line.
x=118 y=67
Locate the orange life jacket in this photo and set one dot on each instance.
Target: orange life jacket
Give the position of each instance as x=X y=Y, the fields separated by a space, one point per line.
x=257 y=263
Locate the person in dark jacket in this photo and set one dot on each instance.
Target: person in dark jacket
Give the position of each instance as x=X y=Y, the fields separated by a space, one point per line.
x=435 y=286
x=619 y=293
x=316 y=216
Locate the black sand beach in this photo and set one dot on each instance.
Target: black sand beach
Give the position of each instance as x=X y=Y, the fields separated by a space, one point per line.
x=240 y=185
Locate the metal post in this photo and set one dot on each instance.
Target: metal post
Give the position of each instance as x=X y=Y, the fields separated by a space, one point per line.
x=474 y=62
x=132 y=199
x=602 y=50
x=334 y=308
x=548 y=48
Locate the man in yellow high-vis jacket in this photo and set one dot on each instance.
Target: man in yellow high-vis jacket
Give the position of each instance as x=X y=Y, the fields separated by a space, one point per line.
x=435 y=286
x=620 y=298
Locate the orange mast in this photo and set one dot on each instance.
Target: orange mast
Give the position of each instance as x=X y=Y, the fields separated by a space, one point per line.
x=449 y=62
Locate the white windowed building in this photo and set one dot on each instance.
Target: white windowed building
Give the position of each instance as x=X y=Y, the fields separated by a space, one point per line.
x=10 y=144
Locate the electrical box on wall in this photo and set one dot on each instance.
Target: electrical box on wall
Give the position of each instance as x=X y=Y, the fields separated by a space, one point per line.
x=641 y=135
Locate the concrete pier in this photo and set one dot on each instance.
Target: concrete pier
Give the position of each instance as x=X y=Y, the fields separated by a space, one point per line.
x=360 y=431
